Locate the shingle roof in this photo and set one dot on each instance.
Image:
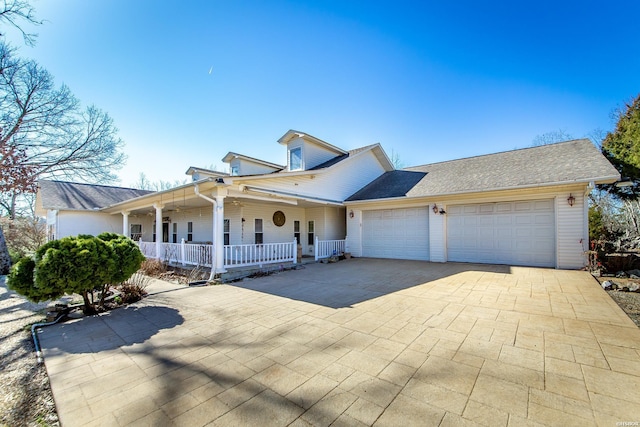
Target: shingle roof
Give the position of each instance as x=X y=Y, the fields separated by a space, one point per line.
x=565 y=162
x=74 y=196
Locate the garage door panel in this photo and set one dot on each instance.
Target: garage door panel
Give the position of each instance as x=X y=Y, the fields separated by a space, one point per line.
x=519 y=233
x=396 y=233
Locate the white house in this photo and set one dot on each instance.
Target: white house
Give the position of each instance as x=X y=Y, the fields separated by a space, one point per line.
x=521 y=207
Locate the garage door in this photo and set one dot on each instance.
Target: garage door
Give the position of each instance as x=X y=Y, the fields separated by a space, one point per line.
x=396 y=233
x=518 y=233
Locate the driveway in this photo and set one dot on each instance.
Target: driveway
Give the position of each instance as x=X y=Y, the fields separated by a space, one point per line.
x=359 y=342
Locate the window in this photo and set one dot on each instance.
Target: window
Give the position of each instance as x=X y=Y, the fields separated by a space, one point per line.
x=311 y=233
x=226 y=232
x=296 y=231
x=135 y=231
x=258 y=231
x=190 y=231
x=295 y=159
x=175 y=232
x=235 y=170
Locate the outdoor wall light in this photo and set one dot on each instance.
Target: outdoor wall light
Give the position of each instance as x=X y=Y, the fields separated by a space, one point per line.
x=435 y=209
x=351 y=214
x=571 y=200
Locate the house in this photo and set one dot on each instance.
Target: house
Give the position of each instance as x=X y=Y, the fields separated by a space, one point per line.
x=522 y=207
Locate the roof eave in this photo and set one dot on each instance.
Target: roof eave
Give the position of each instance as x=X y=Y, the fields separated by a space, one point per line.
x=601 y=180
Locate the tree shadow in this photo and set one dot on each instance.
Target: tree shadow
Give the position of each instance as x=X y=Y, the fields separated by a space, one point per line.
x=346 y=283
x=117 y=328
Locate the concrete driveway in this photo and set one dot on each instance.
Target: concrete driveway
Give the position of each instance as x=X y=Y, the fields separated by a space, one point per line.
x=359 y=342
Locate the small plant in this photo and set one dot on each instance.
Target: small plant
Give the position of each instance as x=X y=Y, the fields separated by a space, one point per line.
x=134 y=289
x=153 y=267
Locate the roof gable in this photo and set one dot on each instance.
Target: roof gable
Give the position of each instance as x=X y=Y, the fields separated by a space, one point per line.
x=231 y=155
x=63 y=195
x=293 y=134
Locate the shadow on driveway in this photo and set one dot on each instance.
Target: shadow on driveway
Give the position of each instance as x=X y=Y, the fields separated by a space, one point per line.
x=353 y=281
x=117 y=328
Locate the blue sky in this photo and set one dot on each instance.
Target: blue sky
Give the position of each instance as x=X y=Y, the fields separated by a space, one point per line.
x=430 y=81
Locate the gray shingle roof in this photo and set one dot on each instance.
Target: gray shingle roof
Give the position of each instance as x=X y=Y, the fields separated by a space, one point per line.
x=340 y=158
x=565 y=162
x=71 y=195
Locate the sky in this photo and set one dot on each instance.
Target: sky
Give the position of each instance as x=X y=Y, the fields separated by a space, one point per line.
x=186 y=82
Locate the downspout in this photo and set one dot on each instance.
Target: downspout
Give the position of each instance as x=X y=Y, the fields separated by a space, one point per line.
x=196 y=190
x=34 y=335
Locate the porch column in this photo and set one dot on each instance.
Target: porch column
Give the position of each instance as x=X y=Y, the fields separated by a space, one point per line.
x=218 y=234
x=158 y=207
x=125 y=223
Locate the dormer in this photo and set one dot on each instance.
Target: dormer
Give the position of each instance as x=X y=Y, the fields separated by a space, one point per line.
x=305 y=152
x=241 y=165
x=201 y=173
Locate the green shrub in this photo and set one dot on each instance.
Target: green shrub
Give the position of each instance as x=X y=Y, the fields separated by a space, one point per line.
x=77 y=265
x=128 y=256
x=20 y=279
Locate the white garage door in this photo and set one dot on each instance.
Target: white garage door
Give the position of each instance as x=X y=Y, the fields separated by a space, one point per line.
x=518 y=233
x=396 y=233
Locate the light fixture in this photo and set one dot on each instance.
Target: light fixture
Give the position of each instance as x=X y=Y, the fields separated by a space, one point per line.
x=571 y=200
x=351 y=214
x=435 y=209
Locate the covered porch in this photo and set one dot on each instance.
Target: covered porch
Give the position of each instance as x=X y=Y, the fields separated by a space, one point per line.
x=218 y=225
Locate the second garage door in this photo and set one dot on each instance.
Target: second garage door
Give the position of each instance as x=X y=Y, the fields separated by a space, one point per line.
x=396 y=233
x=518 y=233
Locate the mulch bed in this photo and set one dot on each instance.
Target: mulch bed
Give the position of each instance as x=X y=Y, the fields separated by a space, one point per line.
x=25 y=394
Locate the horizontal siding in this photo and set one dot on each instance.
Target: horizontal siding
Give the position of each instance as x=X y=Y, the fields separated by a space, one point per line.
x=337 y=183
x=72 y=223
x=437 y=245
x=571 y=239
x=314 y=155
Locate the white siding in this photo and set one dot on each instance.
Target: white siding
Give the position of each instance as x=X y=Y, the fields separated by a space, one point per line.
x=572 y=241
x=247 y=167
x=271 y=232
x=314 y=155
x=354 y=232
x=71 y=223
x=334 y=224
x=437 y=241
x=338 y=183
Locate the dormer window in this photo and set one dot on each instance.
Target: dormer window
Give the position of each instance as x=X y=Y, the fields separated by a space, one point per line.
x=295 y=158
x=235 y=170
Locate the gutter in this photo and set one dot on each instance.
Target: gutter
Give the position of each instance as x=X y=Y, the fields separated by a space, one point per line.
x=196 y=190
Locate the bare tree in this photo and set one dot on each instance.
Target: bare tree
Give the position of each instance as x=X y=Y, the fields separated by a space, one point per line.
x=551 y=138
x=143 y=183
x=45 y=133
x=18 y=12
x=396 y=161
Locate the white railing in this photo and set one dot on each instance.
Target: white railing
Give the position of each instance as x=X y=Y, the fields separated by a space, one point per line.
x=327 y=248
x=266 y=253
x=148 y=249
x=234 y=255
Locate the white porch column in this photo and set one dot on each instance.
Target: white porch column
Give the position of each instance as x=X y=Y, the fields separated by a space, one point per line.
x=125 y=223
x=218 y=234
x=158 y=207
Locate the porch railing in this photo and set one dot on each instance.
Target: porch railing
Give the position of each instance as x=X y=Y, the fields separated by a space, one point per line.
x=327 y=248
x=266 y=253
x=234 y=255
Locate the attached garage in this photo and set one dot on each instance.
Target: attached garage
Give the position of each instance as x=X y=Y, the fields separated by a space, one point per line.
x=517 y=233
x=396 y=233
